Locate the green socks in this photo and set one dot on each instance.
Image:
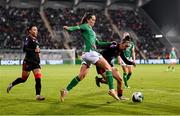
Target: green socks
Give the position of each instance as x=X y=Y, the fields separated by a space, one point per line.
x=76 y=80
x=110 y=79
x=128 y=76
x=125 y=79
x=171 y=68
x=73 y=83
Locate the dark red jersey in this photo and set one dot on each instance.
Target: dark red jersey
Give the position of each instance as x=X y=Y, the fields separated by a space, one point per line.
x=112 y=52
x=30 y=45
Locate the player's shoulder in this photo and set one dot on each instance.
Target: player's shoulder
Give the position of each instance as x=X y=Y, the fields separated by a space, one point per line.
x=26 y=38
x=84 y=26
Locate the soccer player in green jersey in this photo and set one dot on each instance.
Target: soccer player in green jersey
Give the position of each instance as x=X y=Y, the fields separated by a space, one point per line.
x=130 y=55
x=90 y=55
x=172 y=57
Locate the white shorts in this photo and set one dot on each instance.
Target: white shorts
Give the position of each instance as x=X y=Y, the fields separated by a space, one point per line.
x=90 y=57
x=124 y=64
x=173 y=61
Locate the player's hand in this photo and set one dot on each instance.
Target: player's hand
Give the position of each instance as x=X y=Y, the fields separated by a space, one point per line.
x=65 y=27
x=37 y=50
x=113 y=43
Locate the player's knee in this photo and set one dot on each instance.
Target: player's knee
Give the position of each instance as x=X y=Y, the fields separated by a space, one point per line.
x=119 y=80
x=108 y=68
x=24 y=78
x=81 y=76
x=38 y=75
x=115 y=69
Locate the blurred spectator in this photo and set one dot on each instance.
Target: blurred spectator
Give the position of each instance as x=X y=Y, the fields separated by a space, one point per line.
x=14 y=20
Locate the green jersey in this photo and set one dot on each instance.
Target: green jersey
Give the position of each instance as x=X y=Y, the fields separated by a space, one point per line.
x=128 y=51
x=89 y=37
x=172 y=54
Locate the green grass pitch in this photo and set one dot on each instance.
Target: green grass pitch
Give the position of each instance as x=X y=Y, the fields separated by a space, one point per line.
x=161 y=93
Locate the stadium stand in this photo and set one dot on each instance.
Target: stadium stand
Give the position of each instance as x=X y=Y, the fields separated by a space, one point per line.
x=123 y=14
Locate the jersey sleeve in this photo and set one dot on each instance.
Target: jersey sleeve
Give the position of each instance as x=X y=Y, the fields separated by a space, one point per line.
x=78 y=27
x=26 y=47
x=100 y=43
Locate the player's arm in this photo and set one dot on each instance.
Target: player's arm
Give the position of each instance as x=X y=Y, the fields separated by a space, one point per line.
x=74 y=28
x=169 y=55
x=125 y=59
x=119 y=60
x=175 y=55
x=106 y=45
x=37 y=50
x=101 y=43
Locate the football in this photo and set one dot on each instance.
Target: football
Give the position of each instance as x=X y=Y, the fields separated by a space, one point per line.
x=137 y=97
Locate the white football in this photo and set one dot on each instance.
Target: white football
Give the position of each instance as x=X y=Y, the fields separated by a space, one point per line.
x=137 y=97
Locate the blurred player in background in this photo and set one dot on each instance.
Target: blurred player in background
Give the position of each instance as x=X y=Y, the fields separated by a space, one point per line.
x=173 y=60
x=129 y=53
x=31 y=62
x=90 y=56
x=164 y=55
x=110 y=53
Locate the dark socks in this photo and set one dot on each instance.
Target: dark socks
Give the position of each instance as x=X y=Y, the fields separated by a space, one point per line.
x=17 y=81
x=38 y=86
x=125 y=79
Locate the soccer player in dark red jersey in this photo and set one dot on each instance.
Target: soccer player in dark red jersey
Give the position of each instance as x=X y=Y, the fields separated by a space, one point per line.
x=31 y=62
x=109 y=54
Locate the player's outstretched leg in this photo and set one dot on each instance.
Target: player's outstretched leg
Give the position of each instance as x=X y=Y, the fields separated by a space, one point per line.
x=71 y=85
x=113 y=93
x=38 y=89
x=17 y=81
x=9 y=87
x=100 y=80
x=63 y=93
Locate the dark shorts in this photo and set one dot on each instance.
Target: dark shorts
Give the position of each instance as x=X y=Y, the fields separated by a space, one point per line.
x=29 y=66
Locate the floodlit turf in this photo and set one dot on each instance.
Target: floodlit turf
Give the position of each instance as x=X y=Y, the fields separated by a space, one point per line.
x=161 y=93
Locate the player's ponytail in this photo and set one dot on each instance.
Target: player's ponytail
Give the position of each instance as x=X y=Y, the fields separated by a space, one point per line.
x=86 y=17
